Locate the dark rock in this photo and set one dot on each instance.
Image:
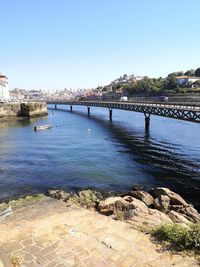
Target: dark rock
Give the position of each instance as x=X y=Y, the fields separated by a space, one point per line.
x=162 y=203
x=143 y=196
x=188 y=212
x=126 y=194
x=88 y=197
x=137 y=188
x=112 y=205
x=133 y=210
x=175 y=199
x=178 y=218
x=59 y=194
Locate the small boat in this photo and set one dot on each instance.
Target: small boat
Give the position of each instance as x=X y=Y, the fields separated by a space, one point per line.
x=42 y=127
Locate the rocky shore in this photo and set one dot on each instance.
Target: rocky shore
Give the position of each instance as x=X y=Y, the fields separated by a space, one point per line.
x=91 y=228
x=138 y=207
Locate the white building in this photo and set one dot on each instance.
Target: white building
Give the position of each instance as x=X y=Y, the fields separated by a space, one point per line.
x=4 y=92
x=186 y=79
x=126 y=79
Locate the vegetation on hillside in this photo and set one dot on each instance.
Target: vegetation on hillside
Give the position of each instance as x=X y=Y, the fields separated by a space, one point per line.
x=160 y=85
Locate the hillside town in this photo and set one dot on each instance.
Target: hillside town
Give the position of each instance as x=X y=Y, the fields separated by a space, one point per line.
x=19 y=94
x=125 y=85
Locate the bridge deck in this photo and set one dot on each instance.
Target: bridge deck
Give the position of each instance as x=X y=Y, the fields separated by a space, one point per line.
x=181 y=111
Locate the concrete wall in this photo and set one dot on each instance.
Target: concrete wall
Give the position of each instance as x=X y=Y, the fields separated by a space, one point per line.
x=31 y=109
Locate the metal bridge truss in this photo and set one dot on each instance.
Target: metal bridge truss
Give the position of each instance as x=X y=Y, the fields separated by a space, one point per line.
x=176 y=111
x=188 y=113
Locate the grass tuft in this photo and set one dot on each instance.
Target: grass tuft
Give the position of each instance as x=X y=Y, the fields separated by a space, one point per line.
x=180 y=237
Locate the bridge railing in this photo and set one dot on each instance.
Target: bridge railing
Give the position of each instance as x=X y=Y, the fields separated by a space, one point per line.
x=181 y=111
x=157 y=103
x=166 y=104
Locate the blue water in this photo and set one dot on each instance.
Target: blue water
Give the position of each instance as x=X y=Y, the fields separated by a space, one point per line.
x=80 y=152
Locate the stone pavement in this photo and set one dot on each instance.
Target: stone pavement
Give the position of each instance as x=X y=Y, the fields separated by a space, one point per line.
x=50 y=234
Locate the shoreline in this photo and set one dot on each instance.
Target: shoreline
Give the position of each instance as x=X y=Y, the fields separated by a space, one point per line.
x=21 y=118
x=16 y=197
x=22 y=109
x=86 y=229
x=48 y=232
x=104 y=192
x=164 y=204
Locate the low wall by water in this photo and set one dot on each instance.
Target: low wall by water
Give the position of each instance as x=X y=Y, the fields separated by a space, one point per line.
x=27 y=110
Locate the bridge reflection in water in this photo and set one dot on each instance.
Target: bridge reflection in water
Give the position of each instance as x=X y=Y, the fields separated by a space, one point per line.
x=181 y=111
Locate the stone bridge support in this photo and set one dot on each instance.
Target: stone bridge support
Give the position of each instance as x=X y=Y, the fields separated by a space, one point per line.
x=147 y=120
x=110 y=114
x=88 y=110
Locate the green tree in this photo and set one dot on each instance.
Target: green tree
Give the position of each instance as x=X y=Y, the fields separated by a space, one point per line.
x=175 y=74
x=190 y=72
x=197 y=72
x=171 y=83
x=190 y=84
x=197 y=83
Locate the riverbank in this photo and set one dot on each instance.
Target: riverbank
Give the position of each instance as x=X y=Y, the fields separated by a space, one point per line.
x=138 y=207
x=72 y=231
x=24 y=110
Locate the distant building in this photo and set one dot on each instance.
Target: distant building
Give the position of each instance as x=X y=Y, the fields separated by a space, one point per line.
x=181 y=80
x=4 y=92
x=126 y=79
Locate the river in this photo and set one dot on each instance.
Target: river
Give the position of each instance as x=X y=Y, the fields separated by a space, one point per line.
x=81 y=152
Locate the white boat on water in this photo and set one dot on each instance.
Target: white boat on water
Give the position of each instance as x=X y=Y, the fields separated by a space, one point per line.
x=42 y=127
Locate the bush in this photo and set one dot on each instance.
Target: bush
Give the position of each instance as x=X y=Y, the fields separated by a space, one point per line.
x=180 y=237
x=193 y=237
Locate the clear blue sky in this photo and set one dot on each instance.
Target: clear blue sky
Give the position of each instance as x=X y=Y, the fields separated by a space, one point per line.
x=52 y=44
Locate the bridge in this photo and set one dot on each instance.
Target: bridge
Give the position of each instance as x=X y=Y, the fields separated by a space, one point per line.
x=180 y=110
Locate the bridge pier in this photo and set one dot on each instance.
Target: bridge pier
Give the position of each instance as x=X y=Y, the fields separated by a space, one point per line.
x=88 y=110
x=110 y=114
x=71 y=109
x=55 y=106
x=147 y=121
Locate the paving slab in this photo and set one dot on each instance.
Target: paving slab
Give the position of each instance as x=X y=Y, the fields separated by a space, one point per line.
x=49 y=232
